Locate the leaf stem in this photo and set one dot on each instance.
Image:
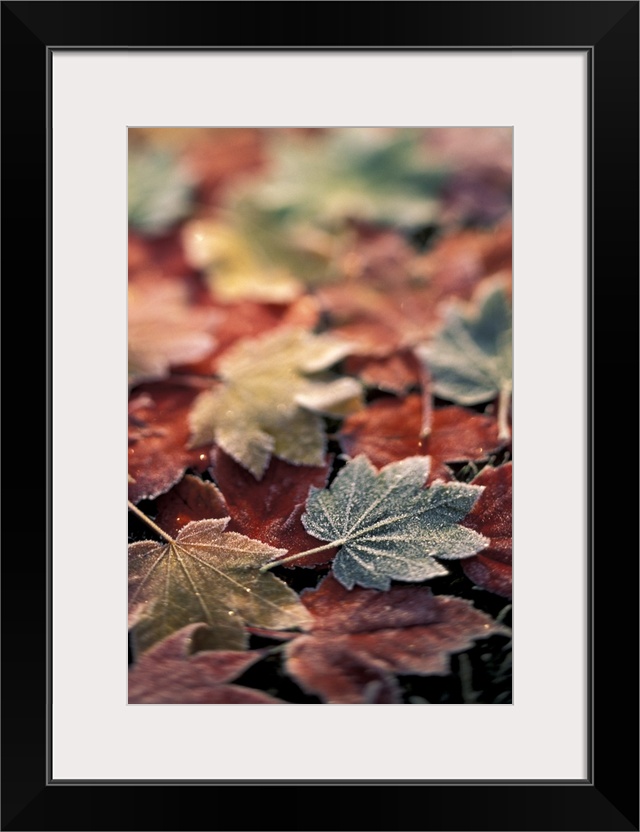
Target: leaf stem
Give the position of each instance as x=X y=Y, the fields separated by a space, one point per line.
x=149 y=522
x=427 y=401
x=291 y=558
x=504 y=400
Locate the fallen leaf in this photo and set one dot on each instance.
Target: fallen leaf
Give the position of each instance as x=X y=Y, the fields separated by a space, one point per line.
x=190 y=499
x=234 y=270
x=165 y=329
x=158 y=436
x=271 y=509
x=394 y=373
x=272 y=393
x=459 y=260
x=390 y=429
x=170 y=674
x=388 y=525
x=219 y=157
x=207 y=575
x=470 y=358
x=368 y=174
x=248 y=319
x=378 y=323
x=162 y=254
x=492 y=516
x=359 y=640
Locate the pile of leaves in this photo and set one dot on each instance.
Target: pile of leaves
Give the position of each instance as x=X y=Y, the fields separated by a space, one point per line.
x=320 y=439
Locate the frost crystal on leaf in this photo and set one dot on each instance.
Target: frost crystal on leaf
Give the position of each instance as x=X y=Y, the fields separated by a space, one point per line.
x=272 y=394
x=388 y=525
x=210 y=576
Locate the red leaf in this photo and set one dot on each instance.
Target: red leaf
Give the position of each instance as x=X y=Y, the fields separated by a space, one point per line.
x=163 y=254
x=379 y=322
x=461 y=259
x=158 y=435
x=191 y=499
x=492 y=517
x=393 y=298
x=362 y=638
x=166 y=327
x=395 y=373
x=270 y=509
x=168 y=674
x=389 y=430
x=247 y=319
x=383 y=303
x=218 y=157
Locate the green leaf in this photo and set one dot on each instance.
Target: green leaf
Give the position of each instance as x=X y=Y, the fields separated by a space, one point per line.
x=470 y=359
x=160 y=191
x=272 y=393
x=211 y=576
x=389 y=525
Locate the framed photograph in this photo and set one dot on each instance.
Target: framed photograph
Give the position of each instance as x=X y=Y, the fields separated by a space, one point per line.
x=87 y=84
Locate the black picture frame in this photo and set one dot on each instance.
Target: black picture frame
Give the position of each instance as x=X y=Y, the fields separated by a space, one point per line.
x=608 y=798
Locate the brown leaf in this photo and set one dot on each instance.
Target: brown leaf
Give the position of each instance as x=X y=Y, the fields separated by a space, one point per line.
x=360 y=639
x=461 y=259
x=394 y=373
x=392 y=297
x=165 y=328
x=220 y=156
x=170 y=674
x=492 y=517
x=389 y=430
x=376 y=257
x=379 y=322
x=191 y=499
x=158 y=435
x=270 y=509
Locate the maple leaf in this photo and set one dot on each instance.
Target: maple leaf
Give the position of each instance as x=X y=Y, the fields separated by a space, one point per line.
x=158 y=435
x=389 y=430
x=160 y=190
x=368 y=174
x=272 y=394
x=268 y=509
x=207 y=575
x=470 y=357
x=192 y=499
x=271 y=508
x=170 y=673
x=359 y=640
x=388 y=525
x=164 y=328
x=492 y=516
